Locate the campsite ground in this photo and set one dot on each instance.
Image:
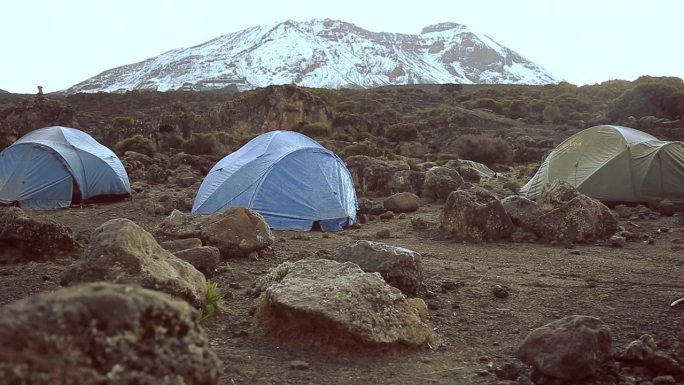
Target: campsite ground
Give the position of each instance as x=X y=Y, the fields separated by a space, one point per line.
x=629 y=288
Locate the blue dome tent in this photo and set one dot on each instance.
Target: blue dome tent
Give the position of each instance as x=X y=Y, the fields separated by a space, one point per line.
x=287 y=177
x=53 y=167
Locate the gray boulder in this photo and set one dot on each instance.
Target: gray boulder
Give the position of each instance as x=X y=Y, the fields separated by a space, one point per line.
x=323 y=302
x=556 y=194
x=181 y=244
x=408 y=181
x=475 y=215
x=582 y=219
x=522 y=211
x=156 y=175
x=404 y=202
x=571 y=348
x=236 y=232
x=102 y=333
x=120 y=251
x=23 y=238
x=440 y=182
x=178 y=225
x=373 y=175
x=205 y=258
x=400 y=267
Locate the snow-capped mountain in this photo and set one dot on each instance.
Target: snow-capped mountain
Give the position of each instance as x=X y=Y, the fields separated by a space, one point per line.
x=329 y=54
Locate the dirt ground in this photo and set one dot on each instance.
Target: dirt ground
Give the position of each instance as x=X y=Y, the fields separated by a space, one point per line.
x=629 y=288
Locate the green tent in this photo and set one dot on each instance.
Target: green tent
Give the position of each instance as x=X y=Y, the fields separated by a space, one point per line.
x=615 y=164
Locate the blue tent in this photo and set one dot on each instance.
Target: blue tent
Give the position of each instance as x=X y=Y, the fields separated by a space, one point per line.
x=47 y=168
x=287 y=177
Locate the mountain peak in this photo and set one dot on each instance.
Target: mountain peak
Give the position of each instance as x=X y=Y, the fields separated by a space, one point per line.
x=440 y=27
x=325 y=53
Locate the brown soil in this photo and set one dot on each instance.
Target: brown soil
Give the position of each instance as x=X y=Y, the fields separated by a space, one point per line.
x=629 y=288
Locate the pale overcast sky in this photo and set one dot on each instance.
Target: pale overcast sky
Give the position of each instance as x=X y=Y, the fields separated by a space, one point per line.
x=58 y=43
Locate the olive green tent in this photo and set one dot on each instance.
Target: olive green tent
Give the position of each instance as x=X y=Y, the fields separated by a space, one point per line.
x=615 y=164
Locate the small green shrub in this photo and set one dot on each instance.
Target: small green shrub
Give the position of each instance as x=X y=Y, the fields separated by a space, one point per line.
x=402 y=132
x=137 y=143
x=361 y=148
x=483 y=149
x=213 y=302
x=316 y=130
x=346 y=106
x=122 y=121
x=202 y=144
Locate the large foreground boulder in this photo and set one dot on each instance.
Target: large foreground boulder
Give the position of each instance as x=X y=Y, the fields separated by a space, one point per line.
x=236 y=232
x=556 y=194
x=400 y=267
x=23 y=238
x=571 y=348
x=323 y=302
x=475 y=215
x=440 y=182
x=120 y=251
x=102 y=333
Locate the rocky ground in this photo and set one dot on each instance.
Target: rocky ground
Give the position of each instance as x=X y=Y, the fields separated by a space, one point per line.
x=483 y=298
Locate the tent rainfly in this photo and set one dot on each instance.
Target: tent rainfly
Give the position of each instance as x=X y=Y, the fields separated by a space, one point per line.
x=53 y=167
x=615 y=164
x=287 y=177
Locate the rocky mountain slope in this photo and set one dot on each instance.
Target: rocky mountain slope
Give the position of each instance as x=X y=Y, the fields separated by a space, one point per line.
x=326 y=53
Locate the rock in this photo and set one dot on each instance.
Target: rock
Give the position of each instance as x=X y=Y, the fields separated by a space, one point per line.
x=323 y=302
x=666 y=208
x=365 y=205
x=624 y=211
x=181 y=244
x=204 y=258
x=408 y=181
x=387 y=215
x=200 y=163
x=236 y=232
x=639 y=350
x=507 y=371
x=571 y=348
x=400 y=267
x=475 y=215
x=664 y=380
x=23 y=238
x=404 y=202
x=299 y=364
x=155 y=175
x=582 y=219
x=662 y=363
x=101 y=333
x=132 y=156
x=179 y=225
x=185 y=180
x=373 y=175
x=519 y=236
x=556 y=194
x=522 y=211
x=500 y=291
x=617 y=241
x=419 y=223
x=120 y=251
x=383 y=234
x=440 y=182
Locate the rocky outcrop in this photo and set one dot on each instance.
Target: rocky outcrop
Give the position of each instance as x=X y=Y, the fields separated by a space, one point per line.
x=32 y=114
x=204 y=258
x=440 y=182
x=104 y=333
x=408 y=181
x=23 y=238
x=582 y=219
x=523 y=212
x=475 y=215
x=556 y=194
x=236 y=232
x=120 y=251
x=373 y=175
x=400 y=267
x=572 y=348
x=323 y=302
